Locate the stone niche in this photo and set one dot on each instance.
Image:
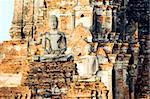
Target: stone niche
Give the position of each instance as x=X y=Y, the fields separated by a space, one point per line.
x=84 y=15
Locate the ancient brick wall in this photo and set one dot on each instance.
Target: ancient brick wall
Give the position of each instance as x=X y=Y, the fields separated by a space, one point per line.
x=13 y=67
x=119 y=34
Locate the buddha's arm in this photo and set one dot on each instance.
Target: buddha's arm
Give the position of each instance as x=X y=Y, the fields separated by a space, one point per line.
x=63 y=44
x=43 y=41
x=96 y=64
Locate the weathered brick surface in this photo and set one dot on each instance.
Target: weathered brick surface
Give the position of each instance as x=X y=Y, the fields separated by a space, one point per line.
x=15 y=60
x=87 y=90
x=44 y=75
x=15 y=92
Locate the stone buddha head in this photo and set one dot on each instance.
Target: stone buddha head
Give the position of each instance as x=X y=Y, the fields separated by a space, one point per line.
x=53 y=22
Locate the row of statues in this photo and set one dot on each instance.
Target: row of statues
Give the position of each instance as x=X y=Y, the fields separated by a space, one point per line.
x=54 y=45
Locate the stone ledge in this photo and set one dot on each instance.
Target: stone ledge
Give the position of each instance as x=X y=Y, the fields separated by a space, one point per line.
x=50 y=58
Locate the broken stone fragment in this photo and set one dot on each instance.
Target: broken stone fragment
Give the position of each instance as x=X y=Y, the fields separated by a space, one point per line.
x=79 y=38
x=84 y=13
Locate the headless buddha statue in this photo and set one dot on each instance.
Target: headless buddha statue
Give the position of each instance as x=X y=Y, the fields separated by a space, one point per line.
x=88 y=64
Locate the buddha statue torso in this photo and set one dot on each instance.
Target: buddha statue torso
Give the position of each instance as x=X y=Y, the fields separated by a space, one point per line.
x=54 y=42
x=87 y=65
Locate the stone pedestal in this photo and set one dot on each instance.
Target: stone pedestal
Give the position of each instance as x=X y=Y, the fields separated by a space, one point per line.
x=44 y=75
